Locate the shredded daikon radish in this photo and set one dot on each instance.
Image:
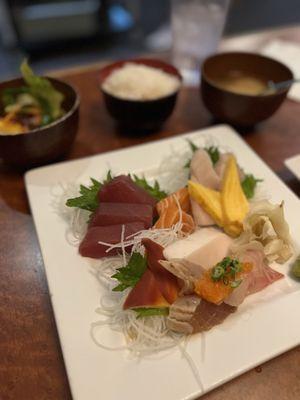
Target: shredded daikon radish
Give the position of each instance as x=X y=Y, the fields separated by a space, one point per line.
x=191 y=364
x=142 y=336
x=75 y=218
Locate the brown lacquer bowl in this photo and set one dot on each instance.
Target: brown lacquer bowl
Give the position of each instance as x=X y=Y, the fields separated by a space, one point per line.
x=237 y=108
x=140 y=115
x=45 y=144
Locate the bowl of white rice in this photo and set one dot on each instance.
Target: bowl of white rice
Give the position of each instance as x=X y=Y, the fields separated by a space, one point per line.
x=140 y=94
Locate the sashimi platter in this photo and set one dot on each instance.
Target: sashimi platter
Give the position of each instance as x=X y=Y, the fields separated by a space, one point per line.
x=178 y=254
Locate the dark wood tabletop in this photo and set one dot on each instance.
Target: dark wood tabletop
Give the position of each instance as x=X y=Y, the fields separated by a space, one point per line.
x=31 y=363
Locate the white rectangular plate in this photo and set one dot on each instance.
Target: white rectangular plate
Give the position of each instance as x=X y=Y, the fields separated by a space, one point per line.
x=293 y=164
x=259 y=330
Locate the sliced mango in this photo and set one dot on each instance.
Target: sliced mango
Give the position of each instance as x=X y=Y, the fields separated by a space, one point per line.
x=234 y=202
x=209 y=199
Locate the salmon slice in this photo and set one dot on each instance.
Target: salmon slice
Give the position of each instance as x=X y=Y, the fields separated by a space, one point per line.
x=183 y=197
x=172 y=208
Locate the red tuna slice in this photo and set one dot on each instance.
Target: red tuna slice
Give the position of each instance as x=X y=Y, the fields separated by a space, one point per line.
x=122 y=189
x=145 y=293
x=89 y=247
x=166 y=281
x=120 y=213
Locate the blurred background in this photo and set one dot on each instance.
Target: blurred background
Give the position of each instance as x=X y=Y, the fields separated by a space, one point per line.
x=66 y=33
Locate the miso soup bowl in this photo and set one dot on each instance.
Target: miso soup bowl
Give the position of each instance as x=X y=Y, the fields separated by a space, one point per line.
x=140 y=115
x=238 y=108
x=47 y=143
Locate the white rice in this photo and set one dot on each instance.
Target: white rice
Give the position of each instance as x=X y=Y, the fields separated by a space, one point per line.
x=140 y=82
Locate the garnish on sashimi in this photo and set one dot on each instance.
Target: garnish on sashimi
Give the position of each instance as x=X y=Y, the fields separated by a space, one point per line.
x=217 y=252
x=218 y=283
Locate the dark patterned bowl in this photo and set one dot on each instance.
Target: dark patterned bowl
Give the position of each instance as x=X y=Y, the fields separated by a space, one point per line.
x=45 y=144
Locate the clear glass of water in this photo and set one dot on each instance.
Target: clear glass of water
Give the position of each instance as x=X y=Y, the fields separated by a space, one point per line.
x=197 y=26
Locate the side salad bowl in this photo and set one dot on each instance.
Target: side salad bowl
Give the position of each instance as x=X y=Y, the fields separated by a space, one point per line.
x=46 y=143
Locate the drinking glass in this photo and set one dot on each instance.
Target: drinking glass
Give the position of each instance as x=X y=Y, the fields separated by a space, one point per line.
x=197 y=26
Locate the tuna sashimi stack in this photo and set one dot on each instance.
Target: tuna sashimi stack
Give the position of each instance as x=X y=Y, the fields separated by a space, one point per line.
x=122 y=205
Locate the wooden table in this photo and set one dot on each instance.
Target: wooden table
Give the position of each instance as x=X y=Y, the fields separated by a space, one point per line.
x=31 y=364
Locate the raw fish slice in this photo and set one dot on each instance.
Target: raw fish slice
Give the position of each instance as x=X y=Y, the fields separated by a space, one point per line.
x=260 y=277
x=190 y=314
x=208 y=315
x=170 y=218
x=199 y=214
x=186 y=272
x=201 y=218
x=221 y=166
x=120 y=213
x=172 y=209
x=183 y=198
x=122 y=189
x=202 y=169
x=205 y=248
x=217 y=291
x=89 y=247
x=167 y=282
x=181 y=313
x=190 y=258
x=145 y=293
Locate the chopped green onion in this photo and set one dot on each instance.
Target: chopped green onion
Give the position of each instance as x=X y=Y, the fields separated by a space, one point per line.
x=235 y=284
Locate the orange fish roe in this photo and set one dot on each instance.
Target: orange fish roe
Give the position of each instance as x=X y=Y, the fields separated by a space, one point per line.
x=216 y=291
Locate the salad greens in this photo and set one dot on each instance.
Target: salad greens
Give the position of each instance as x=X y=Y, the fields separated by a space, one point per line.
x=129 y=275
x=42 y=89
x=37 y=99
